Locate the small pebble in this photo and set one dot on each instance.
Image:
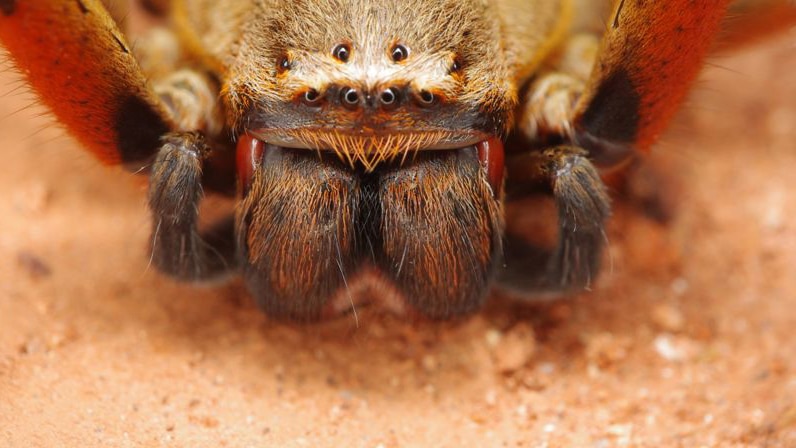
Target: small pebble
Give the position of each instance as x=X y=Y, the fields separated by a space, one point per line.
x=491 y=398
x=522 y=412
x=604 y=349
x=429 y=363
x=515 y=349
x=675 y=348
x=493 y=337
x=622 y=433
x=336 y=412
x=668 y=318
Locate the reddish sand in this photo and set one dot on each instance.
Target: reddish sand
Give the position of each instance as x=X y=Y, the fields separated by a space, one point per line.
x=687 y=340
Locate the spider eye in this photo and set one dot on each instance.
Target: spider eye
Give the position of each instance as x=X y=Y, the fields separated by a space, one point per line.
x=284 y=64
x=399 y=53
x=457 y=65
x=427 y=98
x=342 y=52
x=311 y=97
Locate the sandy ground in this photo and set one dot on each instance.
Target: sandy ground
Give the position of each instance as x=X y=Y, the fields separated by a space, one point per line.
x=686 y=341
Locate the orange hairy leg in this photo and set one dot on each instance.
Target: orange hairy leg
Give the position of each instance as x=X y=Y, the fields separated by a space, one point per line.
x=76 y=59
x=749 y=21
x=651 y=53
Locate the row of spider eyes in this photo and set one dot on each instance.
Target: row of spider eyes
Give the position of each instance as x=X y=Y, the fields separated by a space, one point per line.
x=398 y=53
x=342 y=52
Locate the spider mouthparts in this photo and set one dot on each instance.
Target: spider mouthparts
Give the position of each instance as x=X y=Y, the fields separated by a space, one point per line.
x=250 y=151
x=248 y=157
x=491 y=155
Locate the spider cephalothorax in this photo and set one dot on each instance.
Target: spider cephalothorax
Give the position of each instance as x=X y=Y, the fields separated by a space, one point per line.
x=372 y=80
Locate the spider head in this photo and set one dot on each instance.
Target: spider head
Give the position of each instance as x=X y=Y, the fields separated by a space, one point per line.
x=372 y=83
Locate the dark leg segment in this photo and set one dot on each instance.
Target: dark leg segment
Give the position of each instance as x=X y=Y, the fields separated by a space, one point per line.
x=175 y=190
x=583 y=207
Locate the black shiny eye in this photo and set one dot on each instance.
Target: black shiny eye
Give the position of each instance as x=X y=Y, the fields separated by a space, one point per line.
x=342 y=52
x=388 y=96
x=284 y=64
x=311 y=96
x=399 y=53
x=426 y=97
x=350 y=96
x=457 y=65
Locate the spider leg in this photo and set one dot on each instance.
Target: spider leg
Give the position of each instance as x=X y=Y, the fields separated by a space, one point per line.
x=649 y=56
x=175 y=191
x=583 y=207
x=552 y=97
x=75 y=57
x=749 y=21
x=186 y=166
x=564 y=172
x=119 y=11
